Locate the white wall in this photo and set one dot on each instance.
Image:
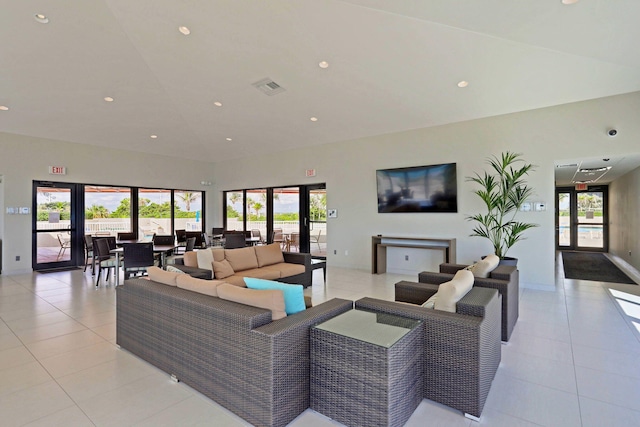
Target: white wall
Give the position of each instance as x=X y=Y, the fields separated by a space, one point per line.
x=348 y=168
x=24 y=159
x=624 y=218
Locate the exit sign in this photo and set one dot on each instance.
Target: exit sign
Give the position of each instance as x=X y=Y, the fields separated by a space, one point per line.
x=581 y=187
x=57 y=170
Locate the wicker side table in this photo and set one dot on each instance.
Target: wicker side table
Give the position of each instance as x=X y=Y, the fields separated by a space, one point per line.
x=366 y=368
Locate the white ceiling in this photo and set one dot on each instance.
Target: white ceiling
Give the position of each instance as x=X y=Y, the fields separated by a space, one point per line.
x=394 y=65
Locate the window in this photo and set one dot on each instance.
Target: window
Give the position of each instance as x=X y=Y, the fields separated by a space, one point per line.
x=107 y=210
x=187 y=210
x=154 y=212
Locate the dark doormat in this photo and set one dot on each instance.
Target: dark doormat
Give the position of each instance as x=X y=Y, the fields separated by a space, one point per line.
x=592 y=266
x=56 y=270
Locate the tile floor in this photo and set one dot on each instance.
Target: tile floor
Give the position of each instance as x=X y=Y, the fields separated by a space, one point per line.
x=573 y=359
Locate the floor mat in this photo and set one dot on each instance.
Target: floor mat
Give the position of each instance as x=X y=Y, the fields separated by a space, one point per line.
x=592 y=266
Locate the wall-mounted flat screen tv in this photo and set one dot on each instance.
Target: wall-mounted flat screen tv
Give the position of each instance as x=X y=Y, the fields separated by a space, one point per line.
x=431 y=188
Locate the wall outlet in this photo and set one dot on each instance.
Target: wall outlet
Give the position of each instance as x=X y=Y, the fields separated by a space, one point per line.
x=335 y=252
x=17 y=257
x=406 y=257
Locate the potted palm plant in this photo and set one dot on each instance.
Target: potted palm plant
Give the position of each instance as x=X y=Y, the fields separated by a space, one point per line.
x=503 y=190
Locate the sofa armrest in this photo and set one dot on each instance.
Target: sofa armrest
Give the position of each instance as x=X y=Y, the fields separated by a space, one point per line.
x=434 y=278
x=414 y=293
x=297 y=258
x=199 y=273
x=451 y=268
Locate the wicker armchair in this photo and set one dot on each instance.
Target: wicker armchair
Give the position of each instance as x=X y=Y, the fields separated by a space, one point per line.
x=462 y=350
x=504 y=278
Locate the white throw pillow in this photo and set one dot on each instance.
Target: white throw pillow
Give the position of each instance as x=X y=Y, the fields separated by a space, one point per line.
x=205 y=258
x=449 y=293
x=486 y=266
x=173 y=269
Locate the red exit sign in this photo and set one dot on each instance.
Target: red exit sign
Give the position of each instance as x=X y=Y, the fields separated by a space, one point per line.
x=57 y=170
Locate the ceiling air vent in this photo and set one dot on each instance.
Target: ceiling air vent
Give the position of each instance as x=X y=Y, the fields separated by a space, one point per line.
x=269 y=87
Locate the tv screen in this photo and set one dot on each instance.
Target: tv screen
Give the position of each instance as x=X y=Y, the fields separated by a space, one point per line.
x=431 y=188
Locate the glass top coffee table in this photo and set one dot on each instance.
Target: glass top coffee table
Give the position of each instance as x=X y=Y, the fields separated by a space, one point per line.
x=366 y=368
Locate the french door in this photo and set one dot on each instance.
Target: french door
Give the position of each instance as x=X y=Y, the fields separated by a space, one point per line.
x=581 y=219
x=55 y=241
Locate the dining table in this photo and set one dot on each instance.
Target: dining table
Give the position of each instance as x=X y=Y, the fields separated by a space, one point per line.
x=157 y=249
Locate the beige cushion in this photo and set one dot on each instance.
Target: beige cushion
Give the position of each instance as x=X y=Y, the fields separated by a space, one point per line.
x=287 y=269
x=485 y=267
x=266 y=273
x=222 y=269
x=449 y=293
x=241 y=259
x=269 y=254
x=218 y=254
x=165 y=277
x=190 y=259
x=207 y=287
x=270 y=299
x=236 y=280
x=205 y=258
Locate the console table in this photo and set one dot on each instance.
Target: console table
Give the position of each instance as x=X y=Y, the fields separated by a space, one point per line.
x=380 y=243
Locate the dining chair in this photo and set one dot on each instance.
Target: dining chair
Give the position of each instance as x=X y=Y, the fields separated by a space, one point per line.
x=256 y=233
x=127 y=236
x=65 y=243
x=294 y=241
x=88 y=251
x=278 y=237
x=235 y=240
x=198 y=236
x=137 y=257
x=103 y=257
x=191 y=243
x=316 y=239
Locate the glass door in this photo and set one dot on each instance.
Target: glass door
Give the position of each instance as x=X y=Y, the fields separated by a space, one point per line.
x=286 y=218
x=54 y=226
x=317 y=220
x=581 y=219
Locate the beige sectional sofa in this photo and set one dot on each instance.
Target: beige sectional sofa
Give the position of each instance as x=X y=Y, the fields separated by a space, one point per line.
x=233 y=265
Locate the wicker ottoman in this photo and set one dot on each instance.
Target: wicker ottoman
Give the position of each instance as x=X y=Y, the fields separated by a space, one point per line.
x=366 y=368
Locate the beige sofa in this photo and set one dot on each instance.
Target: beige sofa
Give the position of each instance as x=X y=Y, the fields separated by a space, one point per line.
x=233 y=265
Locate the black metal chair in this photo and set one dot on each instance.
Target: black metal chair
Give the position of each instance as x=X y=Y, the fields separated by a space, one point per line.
x=127 y=236
x=137 y=257
x=181 y=240
x=191 y=243
x=235 y=240
x=88 y=251
x=163 y=240
x=103 y=257
x=198 y=236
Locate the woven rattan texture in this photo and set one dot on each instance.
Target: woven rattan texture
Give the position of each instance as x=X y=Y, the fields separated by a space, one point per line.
x=363 y=384
x=504 y=278
x=230 y=352
x=461 y=352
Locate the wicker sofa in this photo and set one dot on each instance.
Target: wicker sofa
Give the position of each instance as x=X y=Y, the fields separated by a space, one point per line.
x=504 y=278
x=286 y=267
x=462 y=350
x=232 y=353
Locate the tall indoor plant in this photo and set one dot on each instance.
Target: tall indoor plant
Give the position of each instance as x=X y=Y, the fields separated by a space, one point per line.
x=503 y=190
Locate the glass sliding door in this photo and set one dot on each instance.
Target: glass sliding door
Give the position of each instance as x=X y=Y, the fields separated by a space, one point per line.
x=317 y=221
x=54 y=225
x=187 y=210
x=590 y=220
x=154 y=213
x=234 y=216
x=563 y=220
x=286 y=217
x=257 y=213
x=107 y=210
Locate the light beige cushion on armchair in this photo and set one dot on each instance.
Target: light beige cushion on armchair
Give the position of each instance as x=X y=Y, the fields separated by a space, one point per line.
x=449 y=293
x=269 y=254
x=485 y=267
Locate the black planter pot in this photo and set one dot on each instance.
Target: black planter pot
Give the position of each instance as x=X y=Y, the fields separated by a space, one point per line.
x=509 y=261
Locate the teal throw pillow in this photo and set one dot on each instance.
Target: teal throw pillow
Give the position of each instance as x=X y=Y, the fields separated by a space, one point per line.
x=293 y=294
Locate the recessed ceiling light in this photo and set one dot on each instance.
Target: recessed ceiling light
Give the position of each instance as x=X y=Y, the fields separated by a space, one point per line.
x=4 y=108
x=153 y=136
x=184 y=30
x=41 y=18
x=218 y=104
x=570 y=1
x=229 y=139
x=463 y=83
x=323 y=64
x=108 y=99
x=314 y=119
